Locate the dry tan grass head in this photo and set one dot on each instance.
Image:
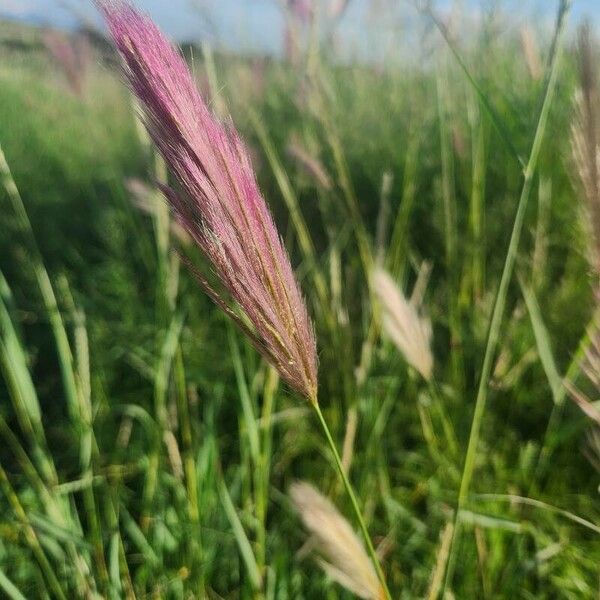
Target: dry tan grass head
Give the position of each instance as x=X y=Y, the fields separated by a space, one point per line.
x=591 y=368
x=592 y=449
x=309 y=163
x=343 y=556
x=585 y=143
x=409 y=330
x=531 y=53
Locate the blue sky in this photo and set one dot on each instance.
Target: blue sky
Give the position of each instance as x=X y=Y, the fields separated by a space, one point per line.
x=256 y=24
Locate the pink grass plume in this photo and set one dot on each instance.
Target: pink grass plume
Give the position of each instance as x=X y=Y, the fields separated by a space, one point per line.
x=71 y=56
x=217 y=200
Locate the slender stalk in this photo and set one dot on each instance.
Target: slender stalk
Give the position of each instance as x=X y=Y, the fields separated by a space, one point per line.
x=438 y=402
x=398 y=246
x=9 y=588
x=450 y=228
x=72 y=391
x=262 y=494
x=353 y=501
x=572 y=372
x=477 y=205
x=196 y=550
x=31 y=537
x=500 y=301
x=59 y=331
x=493 y=115
x=345 y=182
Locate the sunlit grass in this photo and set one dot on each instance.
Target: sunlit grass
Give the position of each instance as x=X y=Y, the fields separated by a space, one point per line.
x=147 y=450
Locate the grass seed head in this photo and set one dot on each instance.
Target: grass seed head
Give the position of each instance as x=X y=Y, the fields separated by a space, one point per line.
x=344 y=557
x=70 y=57
x=410 y=331
x=585 y=144
x=218 y=201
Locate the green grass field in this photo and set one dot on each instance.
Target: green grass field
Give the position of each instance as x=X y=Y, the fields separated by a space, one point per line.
x=147 y=450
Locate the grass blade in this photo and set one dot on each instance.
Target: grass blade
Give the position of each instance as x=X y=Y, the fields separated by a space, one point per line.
x=542 y=340
x=9 y=588
x=501 y=295
x=240 y=536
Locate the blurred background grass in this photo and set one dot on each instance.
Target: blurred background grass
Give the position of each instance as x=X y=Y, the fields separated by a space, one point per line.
x=145 y=443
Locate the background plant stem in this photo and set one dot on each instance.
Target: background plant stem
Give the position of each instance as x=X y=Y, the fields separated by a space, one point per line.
x=353 y=501
x=500 y=301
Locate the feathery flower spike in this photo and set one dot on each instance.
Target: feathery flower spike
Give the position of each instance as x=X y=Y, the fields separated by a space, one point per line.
x=346 y=559
x=409 y=331
x=219 y=203
x=70 y=56
x=591 y=368
x=585 y=145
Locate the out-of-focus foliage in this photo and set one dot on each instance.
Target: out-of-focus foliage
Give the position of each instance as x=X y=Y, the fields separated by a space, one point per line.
x=175 y=460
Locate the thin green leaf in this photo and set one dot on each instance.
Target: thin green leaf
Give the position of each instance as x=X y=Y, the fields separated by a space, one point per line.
x=542 y=340
x=240 y=536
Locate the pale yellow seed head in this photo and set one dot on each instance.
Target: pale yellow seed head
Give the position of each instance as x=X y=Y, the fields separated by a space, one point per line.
x=410 y=331
x=343 y=556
